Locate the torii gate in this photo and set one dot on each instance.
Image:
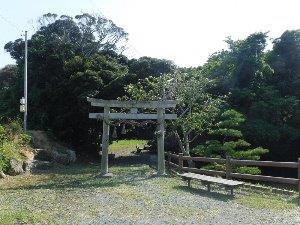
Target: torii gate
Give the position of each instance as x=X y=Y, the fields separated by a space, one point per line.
x=106 y=116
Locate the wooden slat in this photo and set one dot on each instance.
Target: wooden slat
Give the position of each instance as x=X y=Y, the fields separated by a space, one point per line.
x=265 y=178
x=299 y=176
x=205 y=159
x=204 y=171
x=173 y=165
x=174 y=156
x=264 y=163
x=131 y=116
x=210 y=179
x=132 y=104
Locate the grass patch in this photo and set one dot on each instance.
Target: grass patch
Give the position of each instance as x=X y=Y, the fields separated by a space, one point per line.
x=67 y=194
x=126 y=146
x=260 y=201
x=11 y=217
x=76 y=195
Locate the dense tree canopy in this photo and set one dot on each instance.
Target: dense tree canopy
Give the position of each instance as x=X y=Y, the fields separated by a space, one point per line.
x=74 y=58
x=264 y=85
x=71 y=59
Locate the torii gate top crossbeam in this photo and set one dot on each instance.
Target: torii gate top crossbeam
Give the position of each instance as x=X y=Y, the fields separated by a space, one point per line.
x=132 y=104
x=130 y=116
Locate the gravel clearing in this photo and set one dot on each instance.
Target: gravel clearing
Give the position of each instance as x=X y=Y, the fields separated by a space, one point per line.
x=133 y=196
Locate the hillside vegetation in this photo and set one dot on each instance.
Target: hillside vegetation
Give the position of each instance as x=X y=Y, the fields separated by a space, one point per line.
x=14 y=149
x=243 y=102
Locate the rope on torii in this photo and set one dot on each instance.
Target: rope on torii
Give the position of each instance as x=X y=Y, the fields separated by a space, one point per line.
x=160 y=116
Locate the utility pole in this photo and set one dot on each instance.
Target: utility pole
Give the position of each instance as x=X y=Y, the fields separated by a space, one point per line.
x=25 y=83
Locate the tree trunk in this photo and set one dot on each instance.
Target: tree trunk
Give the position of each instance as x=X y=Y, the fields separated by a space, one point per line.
x=179 y=141
x=184 y=145
x=186 y=141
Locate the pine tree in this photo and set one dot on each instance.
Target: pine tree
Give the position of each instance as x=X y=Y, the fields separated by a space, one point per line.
x=226 y=139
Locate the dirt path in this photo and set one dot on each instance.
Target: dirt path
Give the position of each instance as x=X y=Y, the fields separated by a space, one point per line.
x=133 y=196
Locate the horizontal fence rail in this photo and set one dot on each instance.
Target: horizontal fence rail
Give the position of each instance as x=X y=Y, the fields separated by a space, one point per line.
x=264 y=163
x=228 y=168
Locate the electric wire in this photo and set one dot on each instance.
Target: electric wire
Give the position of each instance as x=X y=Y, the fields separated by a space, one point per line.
x=10 y=23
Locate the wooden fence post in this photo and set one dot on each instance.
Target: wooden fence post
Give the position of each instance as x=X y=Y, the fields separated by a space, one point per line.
x=169 y=159
x=228 y=167
x=299 y=177
x=180 y=162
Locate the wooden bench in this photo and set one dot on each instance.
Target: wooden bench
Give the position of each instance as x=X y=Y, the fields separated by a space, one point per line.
x=208 y=180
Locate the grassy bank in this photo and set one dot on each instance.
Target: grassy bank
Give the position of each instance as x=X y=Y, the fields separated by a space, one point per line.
x=14 y=144
x=126 y=147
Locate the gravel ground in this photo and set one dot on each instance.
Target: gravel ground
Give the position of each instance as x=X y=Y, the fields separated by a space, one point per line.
x=133 y=196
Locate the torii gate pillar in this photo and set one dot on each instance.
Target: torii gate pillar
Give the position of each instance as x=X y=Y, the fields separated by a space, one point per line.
x=161 y=170
x=105 y=143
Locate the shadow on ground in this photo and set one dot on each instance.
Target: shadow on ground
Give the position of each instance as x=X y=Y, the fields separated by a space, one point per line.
x=126 y=170
x=204 y=193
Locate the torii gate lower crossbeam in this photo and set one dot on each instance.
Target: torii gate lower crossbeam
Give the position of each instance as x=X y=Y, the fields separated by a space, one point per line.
x=106 y=116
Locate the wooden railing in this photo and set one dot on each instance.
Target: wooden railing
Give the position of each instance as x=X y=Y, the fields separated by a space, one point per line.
x=228 y=168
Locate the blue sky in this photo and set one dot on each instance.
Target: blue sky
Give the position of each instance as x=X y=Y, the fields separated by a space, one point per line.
x=185 y=31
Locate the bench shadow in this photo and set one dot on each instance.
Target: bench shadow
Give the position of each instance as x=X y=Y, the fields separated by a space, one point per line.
x=295 y=201
x=204 y=193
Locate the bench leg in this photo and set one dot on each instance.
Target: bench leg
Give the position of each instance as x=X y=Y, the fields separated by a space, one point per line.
x=231 y=190
x=189 y=183
x=208 y=187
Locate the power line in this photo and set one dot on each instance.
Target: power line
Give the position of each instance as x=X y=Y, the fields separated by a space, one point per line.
x=10 y=23
x=139 y=54
x=95 y=6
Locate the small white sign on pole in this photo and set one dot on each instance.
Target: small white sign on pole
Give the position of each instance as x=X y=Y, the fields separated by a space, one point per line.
x=22 y=108
x=22 y=101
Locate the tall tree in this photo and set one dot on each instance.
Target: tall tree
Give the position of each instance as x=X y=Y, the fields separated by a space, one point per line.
x=66 y=64
x=196 y=108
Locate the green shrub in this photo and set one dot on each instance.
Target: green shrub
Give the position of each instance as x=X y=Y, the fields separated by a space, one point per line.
x=248 y=170
x=24 y=139
x=2 y=134
x=215 y=166
x=226 y=139
x=8 y=150
x=12 y=142
x=13 y=128
x=4 y=162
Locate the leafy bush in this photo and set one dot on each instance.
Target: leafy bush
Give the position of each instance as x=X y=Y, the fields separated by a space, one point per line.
x=248 y=170
x=24 y=139
x=2 y=134
x=13 y=142
x=8 y=151
x=215 y=166
x=227 y=140
x=3 y=162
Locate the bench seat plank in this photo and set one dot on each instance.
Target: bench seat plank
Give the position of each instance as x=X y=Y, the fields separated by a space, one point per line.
x=217 y=180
